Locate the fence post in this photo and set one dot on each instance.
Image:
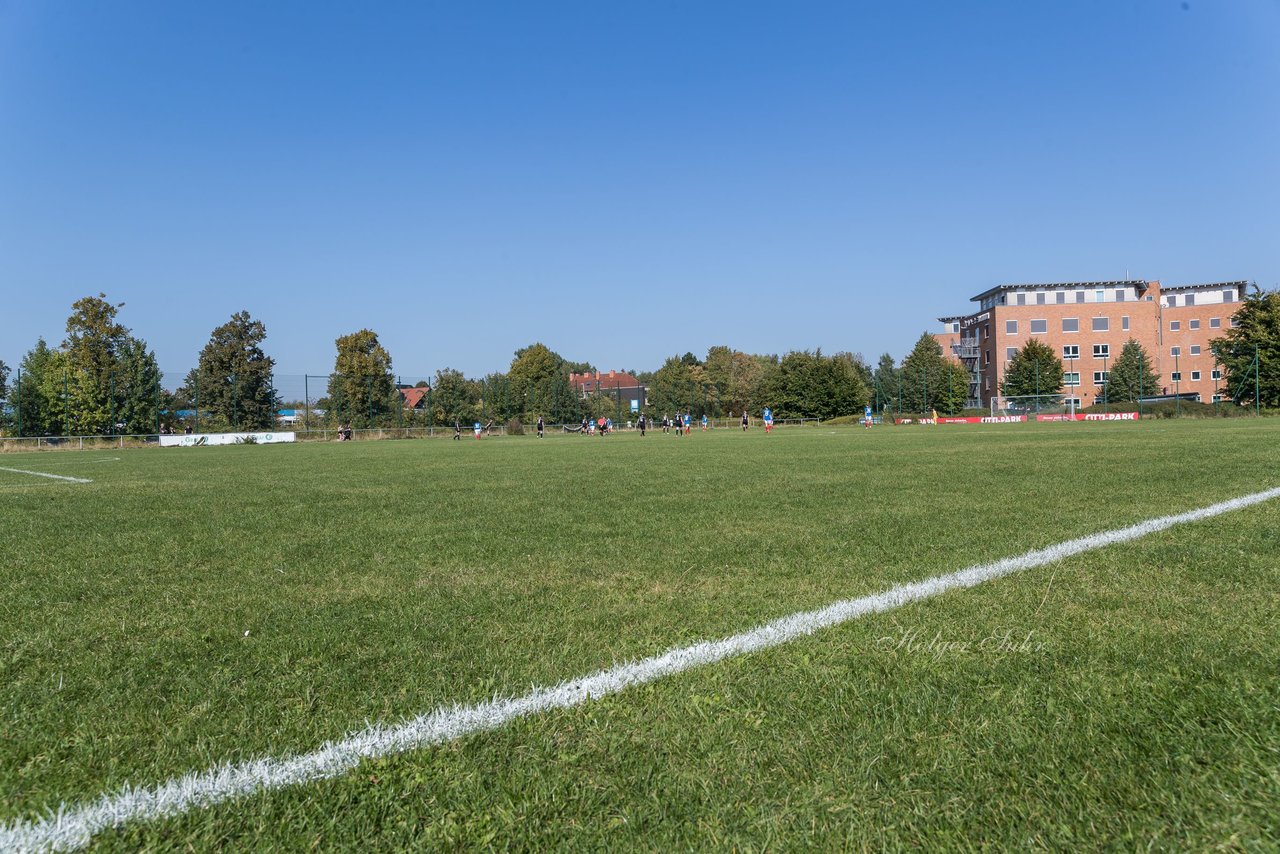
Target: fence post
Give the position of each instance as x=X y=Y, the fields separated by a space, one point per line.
x=19 y=407
x=234 y=401
x=1257 y=382
x=306 y=402
x=66 y=403
x=113 y=403
x=157 y=405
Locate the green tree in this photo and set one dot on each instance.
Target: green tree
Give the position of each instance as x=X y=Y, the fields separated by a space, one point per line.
x=539 y=380
x=233 y=379
x=885 y=384
x=362 y=390
x=95 y=341
x=736 y=377
x=39 y=392
x=1257 y=330
x=4 y=393
x=930 y=381
x=674 y=388
x=810 y=385
x=1131 y=376
x=136 y=386
x=455 y=397
x=1034 y=369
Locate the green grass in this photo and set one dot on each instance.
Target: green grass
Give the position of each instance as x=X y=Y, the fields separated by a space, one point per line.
x=380 y=580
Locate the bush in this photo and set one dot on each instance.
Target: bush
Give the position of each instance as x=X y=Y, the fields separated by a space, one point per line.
x=515 y=428
x=1172 y=409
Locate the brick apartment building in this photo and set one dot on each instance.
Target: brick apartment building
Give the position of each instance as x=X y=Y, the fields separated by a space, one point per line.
x=619 y=384
x=1087 y=325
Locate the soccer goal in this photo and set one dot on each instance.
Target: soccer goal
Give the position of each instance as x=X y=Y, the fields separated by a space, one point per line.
x=1034 y=404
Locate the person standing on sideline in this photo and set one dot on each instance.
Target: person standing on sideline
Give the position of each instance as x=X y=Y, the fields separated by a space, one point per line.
x=541 y=426
x=640 y=423
x=457 y=429
x=768 y=420
x=744 y=421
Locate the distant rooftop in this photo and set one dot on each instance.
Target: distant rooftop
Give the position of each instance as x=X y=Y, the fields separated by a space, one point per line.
x=1215 y=286
x=1140 y=284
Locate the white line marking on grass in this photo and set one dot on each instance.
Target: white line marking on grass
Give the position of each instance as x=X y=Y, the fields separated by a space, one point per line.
x=74 y=827
x=46 y=474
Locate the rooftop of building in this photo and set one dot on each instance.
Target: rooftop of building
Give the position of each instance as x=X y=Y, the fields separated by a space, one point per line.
x=1140 y=284
x=1212 y=286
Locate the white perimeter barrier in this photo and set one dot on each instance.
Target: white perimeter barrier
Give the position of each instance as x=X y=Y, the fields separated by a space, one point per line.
x=193 y=440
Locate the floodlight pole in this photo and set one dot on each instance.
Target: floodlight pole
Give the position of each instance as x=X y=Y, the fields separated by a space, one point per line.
x=1177 y=385
x=1257 y=384
x=1106 y=380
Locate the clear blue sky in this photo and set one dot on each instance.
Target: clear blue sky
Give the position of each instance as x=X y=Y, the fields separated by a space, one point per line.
x=621 y=181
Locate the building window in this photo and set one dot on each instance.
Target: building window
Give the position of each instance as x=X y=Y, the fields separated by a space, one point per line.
x=1071 y=351
x=1217 y=374
x=1102 y=351
x=1039 y=327
x=1170 y=301
x=1119 y=294
x=955 y=327
x=1061 y=297
x=1229 y=295
x=1101 y=324
x=1071 y=378
x=1189 y=300
x=1101 y=377
x=1195 y=376
x=1175 y=377
x=1009 y=353
x=1040 y=298
x=1234 y=323
x=1011 y=327
x=986 y=357
x=1215 y=323
x=1175 y=351
x=1071 y=401
x=1079 y=296
x=1193 y=324
x=1022 y=299
x=1070 y=324
x=1124 y=323
x=1100 y=295
x=1217 y=398
x=1195 y=349
x=1175 y=325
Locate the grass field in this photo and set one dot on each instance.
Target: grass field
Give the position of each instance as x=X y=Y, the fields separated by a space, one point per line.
x=196 y=606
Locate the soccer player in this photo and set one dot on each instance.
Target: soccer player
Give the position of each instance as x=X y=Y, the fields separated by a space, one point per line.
x=704 y=422
x=640 y=423
x=686 y=424
x=541 y=426
x=478 y=428
x=744 y=421
x=768 y=420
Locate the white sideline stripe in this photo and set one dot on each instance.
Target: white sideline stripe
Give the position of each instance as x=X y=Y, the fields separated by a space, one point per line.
x=46 y=474
x=73 y=827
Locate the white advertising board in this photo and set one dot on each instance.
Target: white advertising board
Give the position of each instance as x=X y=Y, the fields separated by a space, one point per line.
x=194 y=440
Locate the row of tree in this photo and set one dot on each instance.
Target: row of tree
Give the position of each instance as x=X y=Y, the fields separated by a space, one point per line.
x=103 y=379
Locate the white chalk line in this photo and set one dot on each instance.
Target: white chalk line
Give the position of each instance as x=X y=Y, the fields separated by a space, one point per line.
x=73 y=827
x=46 y=474
x=76 y=461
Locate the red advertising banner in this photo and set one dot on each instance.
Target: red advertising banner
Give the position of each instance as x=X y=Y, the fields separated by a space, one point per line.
x=986 y=419
x=914 y=421
x=1091 y=416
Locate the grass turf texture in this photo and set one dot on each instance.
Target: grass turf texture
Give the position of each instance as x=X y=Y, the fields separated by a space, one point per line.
x=379 y=580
